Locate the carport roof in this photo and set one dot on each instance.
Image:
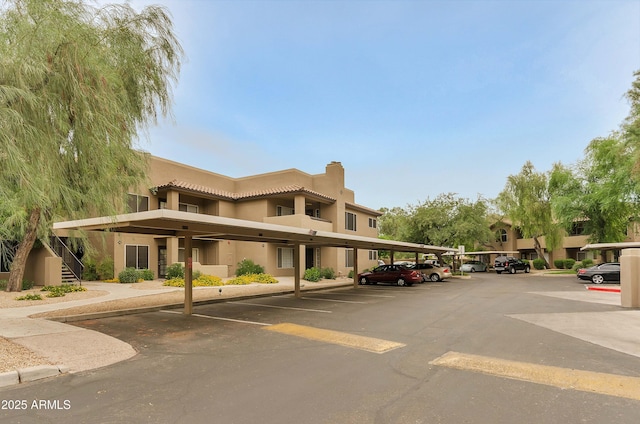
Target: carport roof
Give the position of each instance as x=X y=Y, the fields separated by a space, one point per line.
x=611 y=246
x=166 y=222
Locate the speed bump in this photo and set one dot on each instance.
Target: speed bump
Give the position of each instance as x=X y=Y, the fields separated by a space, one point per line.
x=369 y=344
x=564 y=378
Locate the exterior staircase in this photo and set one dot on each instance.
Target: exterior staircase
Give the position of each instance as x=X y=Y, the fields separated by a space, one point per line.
x=71 y=266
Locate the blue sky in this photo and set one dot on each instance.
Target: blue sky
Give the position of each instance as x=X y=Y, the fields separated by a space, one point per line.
x=415 y=98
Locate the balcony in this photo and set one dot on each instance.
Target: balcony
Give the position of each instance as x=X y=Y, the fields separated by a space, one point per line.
x=300 y=221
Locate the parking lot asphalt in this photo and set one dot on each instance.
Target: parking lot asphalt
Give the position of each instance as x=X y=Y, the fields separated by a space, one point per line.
x=85 y=349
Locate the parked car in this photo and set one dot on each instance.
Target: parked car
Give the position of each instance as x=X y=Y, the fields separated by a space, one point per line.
x=431 y=272
x=598 y=274
x=397 y=274
x=510 y=265
x=474 y=266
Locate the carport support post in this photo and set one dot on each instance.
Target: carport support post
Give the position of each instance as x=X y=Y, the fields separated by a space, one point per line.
x=355 y=267
x=296 y=270
x=630 y=278
x=188 y=277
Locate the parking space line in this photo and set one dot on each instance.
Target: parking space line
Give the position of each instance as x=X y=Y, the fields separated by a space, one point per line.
x=282 y=307
x=333 y=300
x=220 y=318
x=362 y=295
x=564 y=378
x=368 y=344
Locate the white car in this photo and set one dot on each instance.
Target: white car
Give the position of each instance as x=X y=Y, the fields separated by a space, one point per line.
x=474 y=266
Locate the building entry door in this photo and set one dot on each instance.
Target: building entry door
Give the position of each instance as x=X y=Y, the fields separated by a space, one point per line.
x=162 y=261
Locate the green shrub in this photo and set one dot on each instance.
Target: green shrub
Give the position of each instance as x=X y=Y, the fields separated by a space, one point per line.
x=328 y=273
x=129 y=275
x=558 y=263
x=30 y=296
x=312 y=274
x=350 y=274
x=586 y=263
x=538 y=263
x=146 y=274
x=175 y=271
x=247 y=266
x=252 y=278
x=568 y=263
x=105 y=269
x=202 y=281
x=61 y=290
x=90 y=272
x=26 y=284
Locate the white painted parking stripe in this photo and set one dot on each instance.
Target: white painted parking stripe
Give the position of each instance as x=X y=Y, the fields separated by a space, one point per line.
x=333 y=300
x=221 y=318
x=282 y=307
x=360 y=295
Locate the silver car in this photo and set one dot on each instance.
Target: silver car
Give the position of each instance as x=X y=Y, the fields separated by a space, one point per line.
x=474 y=266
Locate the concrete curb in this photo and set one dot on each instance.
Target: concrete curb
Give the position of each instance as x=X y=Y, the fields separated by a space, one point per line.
x=24 y=375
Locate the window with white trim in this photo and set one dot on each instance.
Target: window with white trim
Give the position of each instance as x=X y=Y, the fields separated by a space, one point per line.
x=285 y=257
x=136 y=256
x=348 y=258
x=137 y=203
x=195 y=254
x=186 y=207
x=284 y=210
x=373 y=255
x=350 y=221
x=373 y=223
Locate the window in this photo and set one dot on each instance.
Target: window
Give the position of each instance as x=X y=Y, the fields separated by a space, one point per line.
x=137 y=203
x=577 y=229
x=373 y=255
x=284 y=210
x=186 y=207
x=137 y=256
x=501 y=235
x=285 y=257
x=195 y=254
x=350 y=221
x=373 y=223
x=348 y=257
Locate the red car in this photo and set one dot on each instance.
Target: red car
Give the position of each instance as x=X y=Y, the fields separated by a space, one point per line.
x=397 y=274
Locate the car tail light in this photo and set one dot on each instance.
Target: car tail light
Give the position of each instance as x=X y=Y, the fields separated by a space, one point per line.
x=581 y=271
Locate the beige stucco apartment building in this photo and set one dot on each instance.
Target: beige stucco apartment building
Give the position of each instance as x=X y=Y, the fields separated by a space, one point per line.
x=290 y=197
x=511 y=241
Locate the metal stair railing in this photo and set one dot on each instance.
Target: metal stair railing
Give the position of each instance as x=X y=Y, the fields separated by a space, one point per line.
x=71 y=261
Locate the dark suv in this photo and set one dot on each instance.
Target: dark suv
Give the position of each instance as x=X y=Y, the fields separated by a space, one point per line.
x=510 y=264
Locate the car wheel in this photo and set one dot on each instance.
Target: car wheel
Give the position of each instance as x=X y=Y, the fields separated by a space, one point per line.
x=527 y=269
x=597 y=279
x=498 y=272
x=512 y=270
x=363 y=281
x=401 y=282
x=434 y=277
x=473 y=270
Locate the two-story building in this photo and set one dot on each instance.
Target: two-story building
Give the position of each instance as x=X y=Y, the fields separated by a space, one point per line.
x=290 y=197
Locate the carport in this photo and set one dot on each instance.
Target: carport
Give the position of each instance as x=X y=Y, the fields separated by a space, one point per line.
x=166 y=222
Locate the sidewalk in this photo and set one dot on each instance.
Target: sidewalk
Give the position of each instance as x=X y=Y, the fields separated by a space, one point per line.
x=61 y=348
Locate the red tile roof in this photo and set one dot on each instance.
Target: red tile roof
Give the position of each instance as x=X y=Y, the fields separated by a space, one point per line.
x=289 y=189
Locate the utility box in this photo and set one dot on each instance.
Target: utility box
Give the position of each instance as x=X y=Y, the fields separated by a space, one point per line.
x=630 y=278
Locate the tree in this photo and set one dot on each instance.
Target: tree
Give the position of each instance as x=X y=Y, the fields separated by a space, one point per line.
x=77 y=83
x=598 y=191
x=448 y=220
x=526 y=201
x=444 y=221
